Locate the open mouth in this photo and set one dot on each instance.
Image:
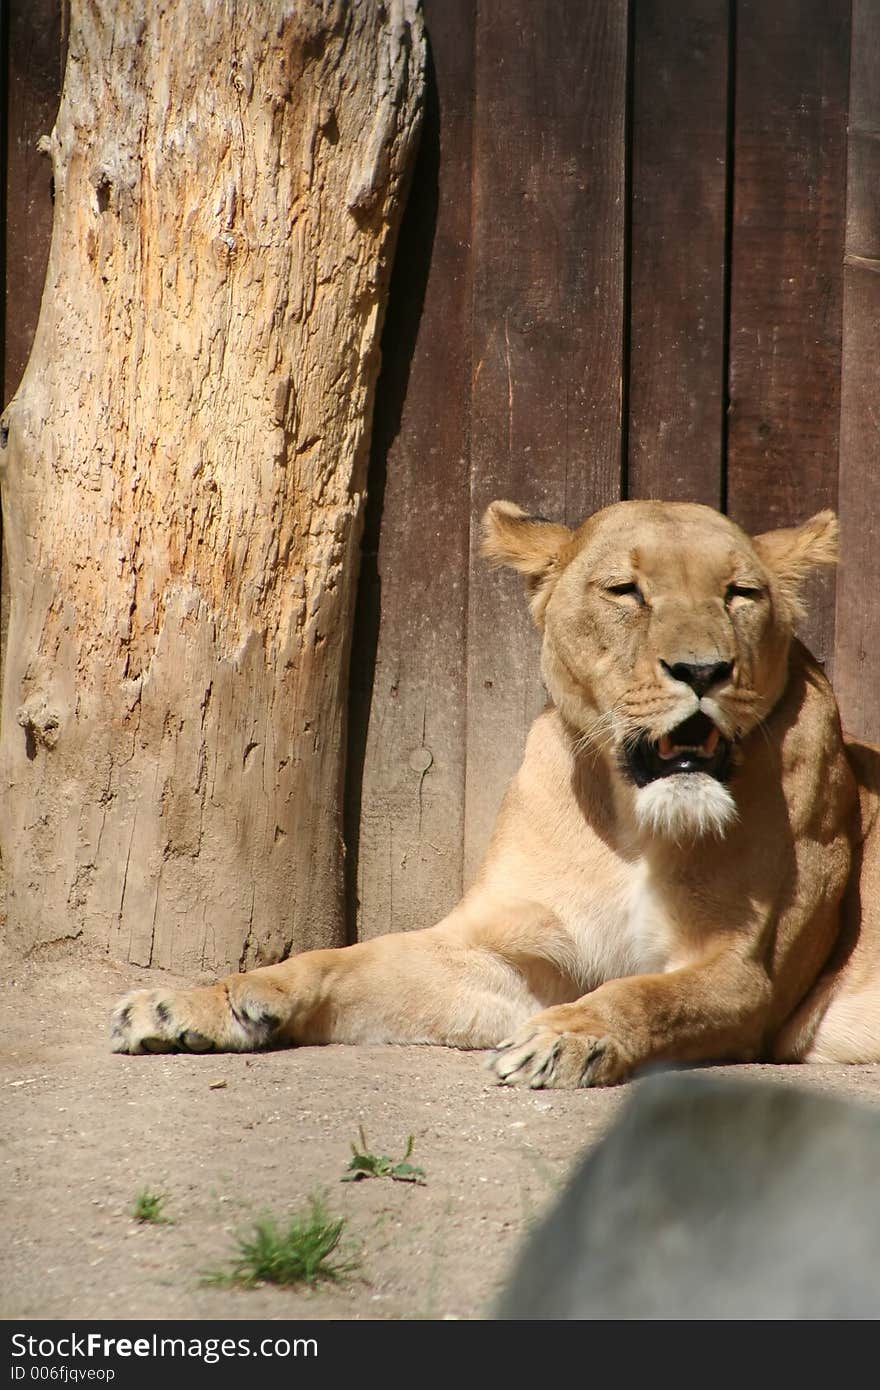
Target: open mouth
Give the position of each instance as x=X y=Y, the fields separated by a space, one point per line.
x=697 y=745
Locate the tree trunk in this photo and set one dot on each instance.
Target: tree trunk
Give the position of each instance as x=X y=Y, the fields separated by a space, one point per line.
x=183 y=473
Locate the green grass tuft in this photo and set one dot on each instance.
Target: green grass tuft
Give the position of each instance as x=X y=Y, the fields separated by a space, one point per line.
x=364 y=1164
x=302 y=1250
x=147 y=1207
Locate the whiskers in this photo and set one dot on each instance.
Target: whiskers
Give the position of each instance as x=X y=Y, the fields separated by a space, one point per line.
x=752 y=713
x=647 y=712
x=607 y=731
x=761 y=723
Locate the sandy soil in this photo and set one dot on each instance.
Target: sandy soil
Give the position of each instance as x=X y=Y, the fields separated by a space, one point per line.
x=228 y=1137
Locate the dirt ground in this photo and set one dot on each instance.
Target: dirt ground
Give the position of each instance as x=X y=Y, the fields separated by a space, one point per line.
x=229 y=1137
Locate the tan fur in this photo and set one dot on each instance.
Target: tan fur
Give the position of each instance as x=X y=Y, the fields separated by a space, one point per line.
x=607 y=931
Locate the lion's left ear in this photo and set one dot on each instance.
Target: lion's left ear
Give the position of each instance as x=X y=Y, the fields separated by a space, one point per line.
x=791 y=553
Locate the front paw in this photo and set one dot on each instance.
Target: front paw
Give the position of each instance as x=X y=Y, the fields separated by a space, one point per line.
x=540 y=1056
x=234 y=1016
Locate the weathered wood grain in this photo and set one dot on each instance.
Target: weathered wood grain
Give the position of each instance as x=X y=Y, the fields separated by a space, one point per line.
x=408 y=714
x=549 y=218
x=183 y=474
x=792 y=68
x=677 y=284
x=857 y=660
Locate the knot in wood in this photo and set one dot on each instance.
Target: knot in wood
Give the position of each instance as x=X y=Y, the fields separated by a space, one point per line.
x=40 y=723
x=421 y=759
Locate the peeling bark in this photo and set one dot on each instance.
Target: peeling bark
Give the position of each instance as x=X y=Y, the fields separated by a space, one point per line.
x=184 y=469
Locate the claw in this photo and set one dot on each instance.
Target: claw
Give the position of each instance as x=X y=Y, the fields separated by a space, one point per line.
x=593 y=1056
x=545 y=1071
x=514 y=1064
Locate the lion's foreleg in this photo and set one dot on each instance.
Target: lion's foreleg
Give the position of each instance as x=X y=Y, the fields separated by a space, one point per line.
x=466 y=983
x=713 y=1011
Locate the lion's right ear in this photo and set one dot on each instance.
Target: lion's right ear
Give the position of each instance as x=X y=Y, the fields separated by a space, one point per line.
x=525 y=543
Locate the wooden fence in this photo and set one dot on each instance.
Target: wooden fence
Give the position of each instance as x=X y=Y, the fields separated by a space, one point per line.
x=641 y=258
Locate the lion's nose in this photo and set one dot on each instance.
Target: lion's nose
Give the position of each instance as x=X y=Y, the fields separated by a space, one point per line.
x=700 y=676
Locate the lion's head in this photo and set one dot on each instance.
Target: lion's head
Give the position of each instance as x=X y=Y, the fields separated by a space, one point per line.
x=666 y=639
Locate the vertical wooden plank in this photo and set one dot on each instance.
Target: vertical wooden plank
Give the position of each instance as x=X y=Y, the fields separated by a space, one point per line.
x=35 y=41
x=406 y=787
x=549 y=223
x=857 y=662
x=789 y=210
x=677 y=293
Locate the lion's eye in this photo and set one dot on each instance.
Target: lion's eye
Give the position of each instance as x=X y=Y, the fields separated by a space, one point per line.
x=626 y=591
x=748 y=591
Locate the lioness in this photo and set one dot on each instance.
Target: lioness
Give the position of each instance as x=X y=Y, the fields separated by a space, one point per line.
x=686 y=847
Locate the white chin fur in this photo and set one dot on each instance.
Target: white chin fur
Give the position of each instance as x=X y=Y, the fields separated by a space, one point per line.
x=685 y=806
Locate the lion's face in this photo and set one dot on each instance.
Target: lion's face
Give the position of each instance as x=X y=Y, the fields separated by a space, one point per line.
x=666 y=640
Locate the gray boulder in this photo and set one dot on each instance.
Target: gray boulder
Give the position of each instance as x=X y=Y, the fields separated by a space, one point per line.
x=714 y=1199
